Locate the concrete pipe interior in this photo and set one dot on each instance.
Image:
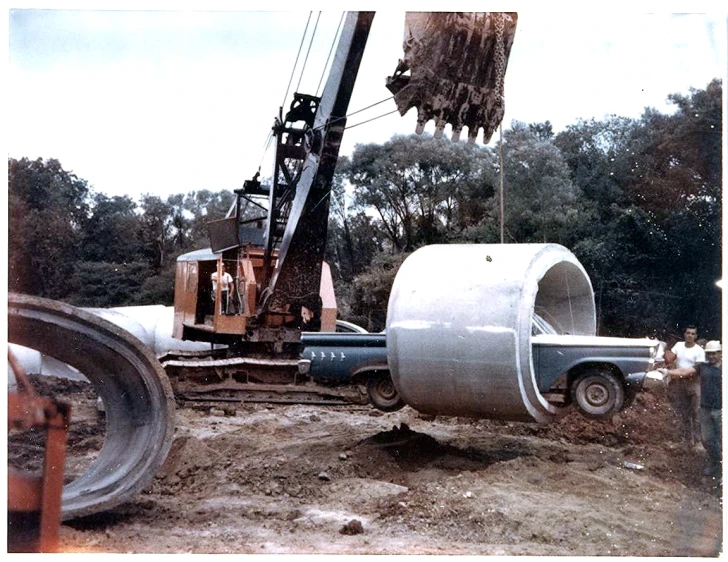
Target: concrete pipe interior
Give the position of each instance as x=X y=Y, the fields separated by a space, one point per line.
x=137 y=396
x=459 y=326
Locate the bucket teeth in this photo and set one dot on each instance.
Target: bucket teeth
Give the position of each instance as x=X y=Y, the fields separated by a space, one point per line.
x=457 y=63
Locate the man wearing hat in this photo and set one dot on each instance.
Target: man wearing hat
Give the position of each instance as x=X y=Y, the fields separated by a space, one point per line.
x=709 y=374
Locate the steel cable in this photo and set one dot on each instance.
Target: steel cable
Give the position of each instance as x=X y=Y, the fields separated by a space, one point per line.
x=308 y=52
x=331 y=50
x=300 y=47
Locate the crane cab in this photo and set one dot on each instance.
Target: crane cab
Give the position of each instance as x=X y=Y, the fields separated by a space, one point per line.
x=205 y=311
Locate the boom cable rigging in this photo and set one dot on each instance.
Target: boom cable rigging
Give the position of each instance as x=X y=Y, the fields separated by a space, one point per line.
x=331 y=50
x=308 y=52
x=372 y=119
x=326 y=66
x=293 y=71
x=359 y=111
x=269 y=138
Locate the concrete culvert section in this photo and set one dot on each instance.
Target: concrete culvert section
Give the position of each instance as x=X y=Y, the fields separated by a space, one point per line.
x=137 y=396
x=459 y=326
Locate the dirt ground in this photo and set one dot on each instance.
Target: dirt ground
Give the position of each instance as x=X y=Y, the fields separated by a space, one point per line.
x=288 y=479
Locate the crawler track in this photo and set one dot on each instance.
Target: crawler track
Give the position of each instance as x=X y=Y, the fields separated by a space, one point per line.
x=205 y=377
x=136 y=392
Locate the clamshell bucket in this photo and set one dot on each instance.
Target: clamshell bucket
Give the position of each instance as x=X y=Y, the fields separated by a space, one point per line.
x=459 y=326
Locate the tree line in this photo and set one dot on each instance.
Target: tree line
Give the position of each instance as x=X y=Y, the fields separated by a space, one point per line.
x=638 y=201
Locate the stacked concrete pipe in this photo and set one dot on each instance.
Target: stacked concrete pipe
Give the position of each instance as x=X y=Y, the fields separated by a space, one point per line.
x=459 y=326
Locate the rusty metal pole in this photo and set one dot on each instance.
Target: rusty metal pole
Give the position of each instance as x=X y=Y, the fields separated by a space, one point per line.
x=53 y=471
x=34 y=503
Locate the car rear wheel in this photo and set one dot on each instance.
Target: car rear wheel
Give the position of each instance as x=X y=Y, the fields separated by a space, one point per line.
x=382 y=393
x=598 y=394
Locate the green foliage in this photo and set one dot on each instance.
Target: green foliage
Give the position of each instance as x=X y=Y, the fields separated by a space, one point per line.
x=104 y=284
x=654 y=247
x=352 y=244
x=157 y=288
x=370 y=291
x=156 y=229
x=111 y=230
x=46 y=208
x=69 y=243
x=202 y=207
x=589 y=149
x=542 y=203
x=419 y=188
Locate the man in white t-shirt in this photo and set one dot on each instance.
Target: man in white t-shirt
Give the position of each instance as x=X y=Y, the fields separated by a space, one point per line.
x=226 y=284
x=685 y=392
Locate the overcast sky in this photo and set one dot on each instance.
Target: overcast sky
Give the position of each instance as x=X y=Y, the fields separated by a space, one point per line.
x=169 y=102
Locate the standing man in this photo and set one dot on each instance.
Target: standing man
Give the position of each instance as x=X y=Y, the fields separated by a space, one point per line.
x=226 y=283
x=685 y=391
x=710 y=377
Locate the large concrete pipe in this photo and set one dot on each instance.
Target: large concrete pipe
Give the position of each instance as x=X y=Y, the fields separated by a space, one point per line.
x=151 y=324
x=137 y=397
x=459 y=326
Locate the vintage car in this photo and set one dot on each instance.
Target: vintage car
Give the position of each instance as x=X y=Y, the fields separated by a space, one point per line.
x=600 y=375
x=351 y=357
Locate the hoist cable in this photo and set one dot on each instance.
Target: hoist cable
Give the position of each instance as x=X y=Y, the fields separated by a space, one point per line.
x=359 y=111
x=308 y=52
x=300 y=47
x=370 y=106
x=266 y=146
x=372 y=119
x=269 y=138
x=331 y=50
x=500 y=179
